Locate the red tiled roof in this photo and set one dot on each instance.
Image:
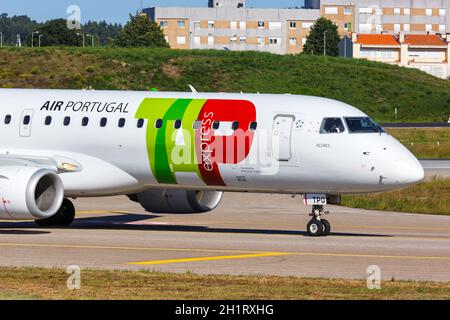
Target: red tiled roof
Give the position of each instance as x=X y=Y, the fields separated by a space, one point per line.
x=424 y=40
x=377 y=39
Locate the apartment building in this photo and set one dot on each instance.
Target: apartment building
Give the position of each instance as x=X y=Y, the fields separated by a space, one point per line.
x=427 y=52
x=230 y=25
x=389 y=16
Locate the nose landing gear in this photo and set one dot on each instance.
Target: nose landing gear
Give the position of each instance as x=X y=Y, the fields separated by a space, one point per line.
x=317 y=226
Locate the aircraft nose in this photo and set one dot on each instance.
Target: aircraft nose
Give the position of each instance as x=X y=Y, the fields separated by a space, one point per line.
x=409 y=170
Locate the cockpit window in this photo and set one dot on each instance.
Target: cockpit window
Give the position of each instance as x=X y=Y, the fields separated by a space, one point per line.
x=332 y=125
x=362 y=125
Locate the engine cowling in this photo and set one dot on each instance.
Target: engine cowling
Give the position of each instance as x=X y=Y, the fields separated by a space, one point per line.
x=178 y=201
x=29 y=193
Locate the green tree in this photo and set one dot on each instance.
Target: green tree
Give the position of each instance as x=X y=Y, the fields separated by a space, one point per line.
x=56 y=33
x=323 y=29
x=140 y=32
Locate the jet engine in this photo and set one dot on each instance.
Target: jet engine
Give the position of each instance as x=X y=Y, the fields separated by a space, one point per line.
x=178 y=201
x=29 y=193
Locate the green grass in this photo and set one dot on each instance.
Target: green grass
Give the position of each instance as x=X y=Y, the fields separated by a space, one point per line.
x=375 y=88
x=112 y=285
x=430 y=197
x=425 y=143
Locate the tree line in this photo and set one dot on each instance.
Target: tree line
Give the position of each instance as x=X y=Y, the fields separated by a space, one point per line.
x=54 y=32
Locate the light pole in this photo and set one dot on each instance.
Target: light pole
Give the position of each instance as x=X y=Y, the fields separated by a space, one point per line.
x=1 y=39
x=32 y=38
x=93 y=41
x=40 y=36
x=84 y=38
x=325 y=43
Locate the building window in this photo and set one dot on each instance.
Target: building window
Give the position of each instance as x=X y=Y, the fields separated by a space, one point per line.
x=379 y=11
x=210 y=24
x=348 y=11
x=103 y=122
x=347 y=26
x=261 y=24
x=261 y=41
x=428 y=27
x=164 y=23
x=48 y=120
x=304 y=41
x=407 y=11
x=181 y=40
x=275 y=25
x=293 y=25
x=140 y=123
x=442 y=12
x=122 y=122
x=331 y=10
x=166 y=38
x=233 y=25
x=379 y=28
x=210 y=41
x=181 y=23
x=365 y=10
x=397 y=11
x=243 y=25
x=397 y=27
x=66 y=121
x=442 y=28
x=429 y=12
x=307 y=25
x=233 y=40
x=407 y=27
x=243 y=40
x=274 y=41
x=197 y=41
x=196 y=24
x=85 y=122
x=293 y=41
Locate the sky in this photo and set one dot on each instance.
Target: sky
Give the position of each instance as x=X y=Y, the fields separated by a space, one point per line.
x=111 y=10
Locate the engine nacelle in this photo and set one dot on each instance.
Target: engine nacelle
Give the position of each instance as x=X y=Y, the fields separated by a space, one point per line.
x=29 y=193
x=178 y=201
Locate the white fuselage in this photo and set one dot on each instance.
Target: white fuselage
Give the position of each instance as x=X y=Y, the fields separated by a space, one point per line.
x=289 y=154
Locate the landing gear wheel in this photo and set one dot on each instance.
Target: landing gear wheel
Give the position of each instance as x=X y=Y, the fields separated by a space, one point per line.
x=315 y=228
x=326 y=227
x=63 y=218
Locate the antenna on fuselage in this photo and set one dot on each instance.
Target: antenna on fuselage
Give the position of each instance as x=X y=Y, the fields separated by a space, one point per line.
x=193 y=90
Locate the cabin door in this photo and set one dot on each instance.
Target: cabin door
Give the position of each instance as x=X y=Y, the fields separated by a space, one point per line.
x=282 y=137
x=25 y=123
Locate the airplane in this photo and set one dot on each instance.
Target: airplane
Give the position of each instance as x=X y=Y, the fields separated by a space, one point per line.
x=178 y=152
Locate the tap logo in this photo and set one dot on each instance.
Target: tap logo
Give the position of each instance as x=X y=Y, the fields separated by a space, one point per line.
x=187 y=136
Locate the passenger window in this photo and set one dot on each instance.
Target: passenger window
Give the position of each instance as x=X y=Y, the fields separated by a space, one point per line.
x=235 y=125
x=177 y=124
x=103 y=122
x=197 y=125
x=8 y=119
x=158 y=124
x=253 y=126
x=216 y=125
x=26 y=120
x=140 y=123
x=332 y=125
x=85 y=121
x=121 y=122
x=48 y=120
x=66 y=121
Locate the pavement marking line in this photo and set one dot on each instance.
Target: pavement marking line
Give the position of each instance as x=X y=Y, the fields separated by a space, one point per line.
x=215 y=258
x=319 y=254
x=104 y=212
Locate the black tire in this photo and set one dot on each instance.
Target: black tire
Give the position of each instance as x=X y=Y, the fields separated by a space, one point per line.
x=64 y=217
x=326 y=227
x=315 y=228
